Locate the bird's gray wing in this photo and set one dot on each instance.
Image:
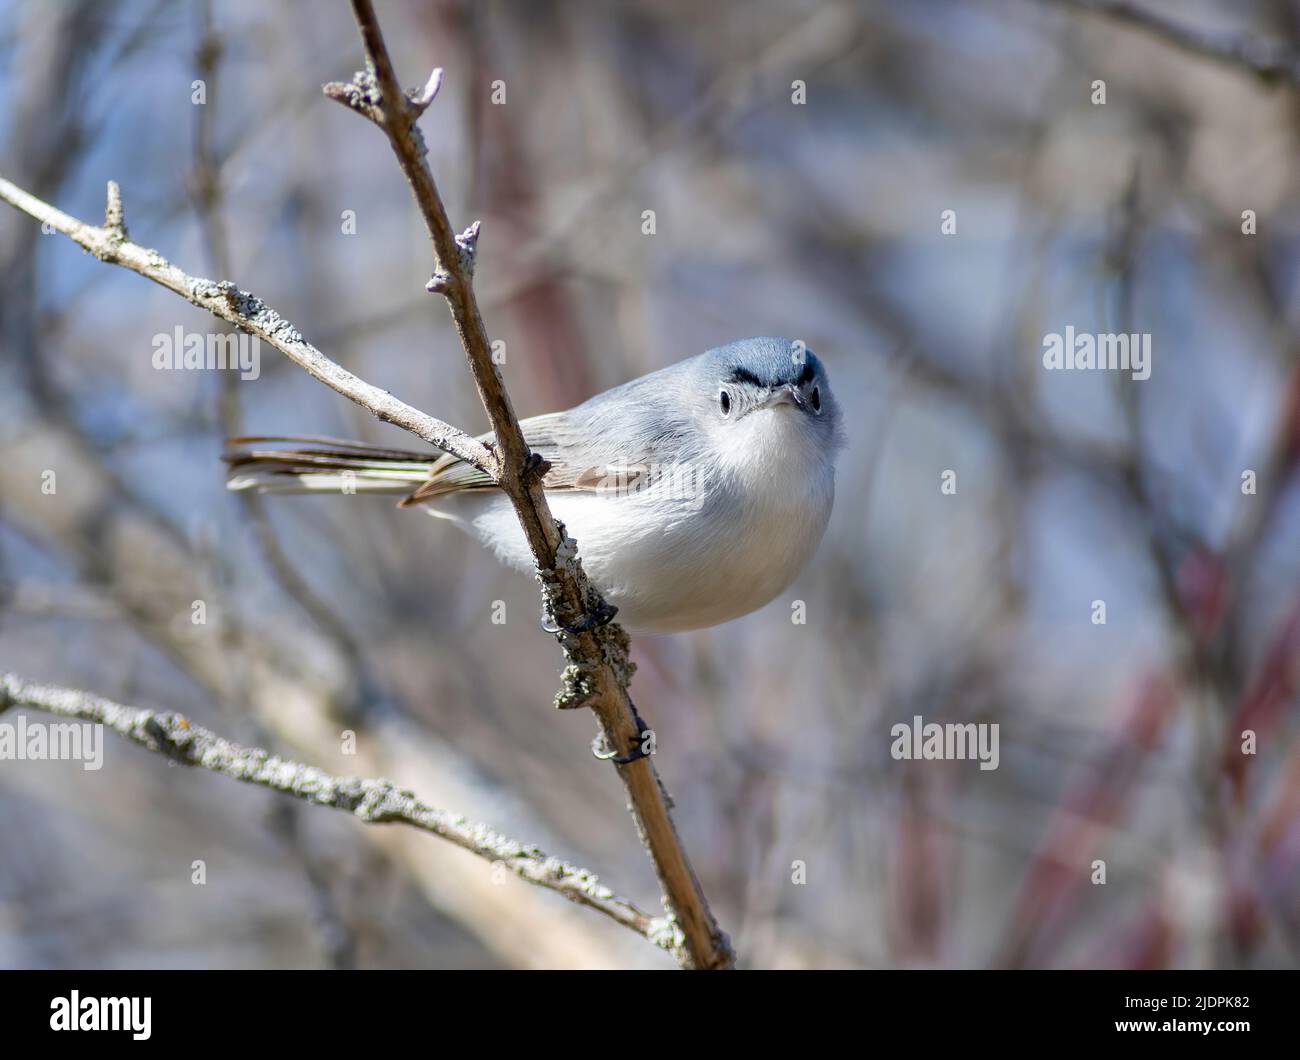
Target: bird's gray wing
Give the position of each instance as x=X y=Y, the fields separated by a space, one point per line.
x=579 y=459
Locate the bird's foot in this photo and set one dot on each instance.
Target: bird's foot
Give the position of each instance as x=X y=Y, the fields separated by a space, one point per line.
x=644 y=746
x=601 y=616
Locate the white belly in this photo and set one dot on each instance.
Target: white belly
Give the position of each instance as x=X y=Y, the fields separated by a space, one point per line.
x=669 y=567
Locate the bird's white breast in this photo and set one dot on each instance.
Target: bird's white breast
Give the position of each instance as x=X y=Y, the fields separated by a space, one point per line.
x=693 y=551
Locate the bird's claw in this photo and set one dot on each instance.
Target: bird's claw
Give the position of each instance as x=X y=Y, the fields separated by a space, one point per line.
x=601 y=616
x=643 y=748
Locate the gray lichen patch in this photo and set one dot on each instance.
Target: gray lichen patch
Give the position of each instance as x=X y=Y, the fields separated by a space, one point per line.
x=576 y=686
x=361 y=93
x=666 y=933
x=417 y=138
x=255 y=313
x=613 y=644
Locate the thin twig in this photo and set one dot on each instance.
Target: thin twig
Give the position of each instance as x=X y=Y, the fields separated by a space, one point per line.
x=598 y=670
x=372 y=801
x=1269 y=62
x=250 y=314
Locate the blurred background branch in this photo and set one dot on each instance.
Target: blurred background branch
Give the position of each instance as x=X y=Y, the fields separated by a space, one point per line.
x=1270 y=62
x=372 y=801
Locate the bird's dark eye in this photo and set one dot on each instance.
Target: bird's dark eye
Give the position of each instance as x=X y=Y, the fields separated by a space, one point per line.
x=817 y=399
x=724 y=400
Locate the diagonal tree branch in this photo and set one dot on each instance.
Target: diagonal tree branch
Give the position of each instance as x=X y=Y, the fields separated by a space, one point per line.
x=246 y=312
x=598 y=672
x=371 y=801
x=1269 y=62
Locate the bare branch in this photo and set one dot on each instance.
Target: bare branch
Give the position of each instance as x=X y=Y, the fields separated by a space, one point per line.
x=250 y=314
x=1269 y=62
x=372 y=801
x=598 y=670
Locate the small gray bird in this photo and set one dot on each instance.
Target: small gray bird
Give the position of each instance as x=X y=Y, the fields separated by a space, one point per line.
x=696 y=493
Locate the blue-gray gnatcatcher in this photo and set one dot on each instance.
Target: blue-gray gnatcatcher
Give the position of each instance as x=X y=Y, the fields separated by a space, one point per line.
x=696 y=493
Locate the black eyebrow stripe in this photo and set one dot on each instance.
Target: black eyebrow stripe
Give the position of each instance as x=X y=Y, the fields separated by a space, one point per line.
x=744 y=375
x=808 y=373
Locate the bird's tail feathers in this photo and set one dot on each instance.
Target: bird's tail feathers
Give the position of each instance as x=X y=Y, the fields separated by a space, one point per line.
x=322 y=465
